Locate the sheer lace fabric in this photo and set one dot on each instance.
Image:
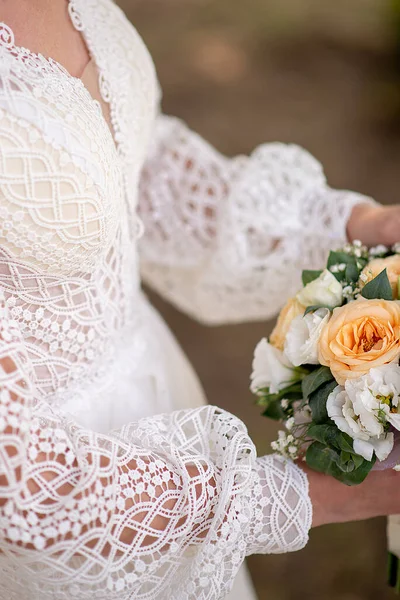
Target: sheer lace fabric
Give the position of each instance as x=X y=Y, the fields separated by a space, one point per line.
x=167 y=506
x=226 y=239
x=94 y=516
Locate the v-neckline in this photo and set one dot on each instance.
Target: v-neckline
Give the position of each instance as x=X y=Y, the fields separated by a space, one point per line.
x=90 y=79
x=73 y=9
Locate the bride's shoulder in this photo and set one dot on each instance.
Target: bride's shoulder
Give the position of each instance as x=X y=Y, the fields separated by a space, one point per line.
x=103 y=14
x=116 y=44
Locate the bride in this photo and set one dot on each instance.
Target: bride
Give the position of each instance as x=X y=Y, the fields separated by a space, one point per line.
x=116 y=480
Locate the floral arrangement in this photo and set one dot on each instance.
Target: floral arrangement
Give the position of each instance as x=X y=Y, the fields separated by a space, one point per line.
x=330 y=369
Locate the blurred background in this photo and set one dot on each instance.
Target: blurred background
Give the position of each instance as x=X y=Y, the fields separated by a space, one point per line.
x=325 y=75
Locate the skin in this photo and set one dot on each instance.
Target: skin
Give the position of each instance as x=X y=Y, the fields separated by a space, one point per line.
x=44 y=26
x=333 y=502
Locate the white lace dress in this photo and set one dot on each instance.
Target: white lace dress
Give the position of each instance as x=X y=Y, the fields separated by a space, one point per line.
x=163 y=506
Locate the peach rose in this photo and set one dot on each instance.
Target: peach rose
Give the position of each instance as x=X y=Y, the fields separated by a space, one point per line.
x=376 y=266
x=292 y=309
x=359 y=336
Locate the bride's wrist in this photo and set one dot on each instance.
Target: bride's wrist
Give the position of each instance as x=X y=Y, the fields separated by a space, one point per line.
x=334 y=502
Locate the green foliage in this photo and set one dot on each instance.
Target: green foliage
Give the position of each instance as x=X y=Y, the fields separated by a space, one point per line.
x=378 y=288
x=315 y=379
x=274 y=411
x=352 y=271
x=329 y=435
x=272 y=402
x=349 y=468
x=316 y=388
x=308 y=276
x=332 y=450
x=317 y=401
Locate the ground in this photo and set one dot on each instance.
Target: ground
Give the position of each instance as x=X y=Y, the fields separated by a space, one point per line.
x=323 y=75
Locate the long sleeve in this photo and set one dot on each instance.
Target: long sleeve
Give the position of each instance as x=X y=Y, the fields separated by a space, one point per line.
x=226 y=239
x=164 y=508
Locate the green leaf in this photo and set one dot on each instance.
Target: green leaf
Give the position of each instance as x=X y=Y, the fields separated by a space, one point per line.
x=330 y=435
x=327 y=460
x=317 y=401
x=272 y=402
x=338 y=258
x=358 y=460
x=358 y=475
x=345 y=457
x=345 y=443
x=327 y=434
x=308 y=276
x=346 y=462
x=351 y=273
x=378 y=288
x=323 y=459
x=315 y=379
x=266 y=398
x=274 y=411
x=291 y=392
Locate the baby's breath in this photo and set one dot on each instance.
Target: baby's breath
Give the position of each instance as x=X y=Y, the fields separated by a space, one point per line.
x=290 y=443
x=356 y=249
x=378 y=251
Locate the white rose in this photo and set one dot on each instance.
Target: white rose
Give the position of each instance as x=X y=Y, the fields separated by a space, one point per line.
x=365 y=407
x=271 y=368
x=323 y=291
x=301 y=345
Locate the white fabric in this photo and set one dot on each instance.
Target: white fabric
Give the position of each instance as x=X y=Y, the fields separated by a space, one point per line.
x=82 y=352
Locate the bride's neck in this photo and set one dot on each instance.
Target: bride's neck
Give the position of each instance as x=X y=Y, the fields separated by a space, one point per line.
x=44 y=26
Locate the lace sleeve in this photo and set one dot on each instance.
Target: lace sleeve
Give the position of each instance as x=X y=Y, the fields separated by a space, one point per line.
x=164 y=508
x=225 y=240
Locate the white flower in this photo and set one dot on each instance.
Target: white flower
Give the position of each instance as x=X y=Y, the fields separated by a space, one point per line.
x=271 y=369
x=326 y=290
x=378 y=250
x=365 y=407
x=301 y=346
x=286 y=445
x=289 y=424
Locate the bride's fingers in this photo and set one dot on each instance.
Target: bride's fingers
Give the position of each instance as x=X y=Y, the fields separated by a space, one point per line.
x=374 y=224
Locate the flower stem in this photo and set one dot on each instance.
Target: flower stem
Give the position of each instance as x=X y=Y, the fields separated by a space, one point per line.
x=394 y=572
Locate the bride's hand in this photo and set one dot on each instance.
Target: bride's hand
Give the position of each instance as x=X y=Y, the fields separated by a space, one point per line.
x=374 y=224
x=334 y=502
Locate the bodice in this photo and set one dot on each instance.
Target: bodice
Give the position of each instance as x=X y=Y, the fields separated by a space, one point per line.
x=68 y=227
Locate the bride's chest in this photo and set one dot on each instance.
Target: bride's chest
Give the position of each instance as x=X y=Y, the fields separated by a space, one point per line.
x=81 y=175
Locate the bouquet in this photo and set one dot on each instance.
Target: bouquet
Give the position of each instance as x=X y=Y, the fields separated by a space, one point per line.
x=330 y=369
